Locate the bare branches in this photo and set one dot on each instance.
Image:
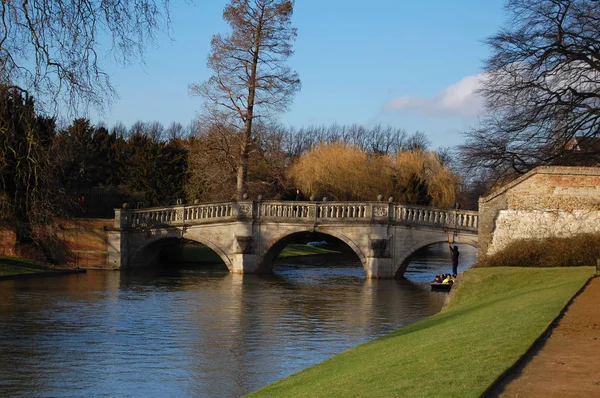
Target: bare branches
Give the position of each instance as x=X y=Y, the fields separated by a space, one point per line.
x=50 y=48
x=543 y=86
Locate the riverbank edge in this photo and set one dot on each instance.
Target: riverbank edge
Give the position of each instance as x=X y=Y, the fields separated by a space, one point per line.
x=44 y=274
x=266 y=391
x=535 y=346
x=39 y=270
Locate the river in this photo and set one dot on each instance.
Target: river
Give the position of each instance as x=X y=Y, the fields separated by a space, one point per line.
x=195 y=333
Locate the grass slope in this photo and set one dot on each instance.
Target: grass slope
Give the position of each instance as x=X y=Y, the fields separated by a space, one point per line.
x=493 y=318
x=19 y=266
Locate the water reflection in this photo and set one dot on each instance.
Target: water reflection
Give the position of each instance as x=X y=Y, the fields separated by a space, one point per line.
x=191 y=333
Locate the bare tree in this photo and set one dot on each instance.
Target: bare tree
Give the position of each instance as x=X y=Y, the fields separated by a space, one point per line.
x=50 y=49
x=377 y=139
x=542 y=86
x=251 y=79
x=214 y=158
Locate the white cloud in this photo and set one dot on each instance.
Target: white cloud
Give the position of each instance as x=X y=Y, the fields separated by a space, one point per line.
x=458 y=99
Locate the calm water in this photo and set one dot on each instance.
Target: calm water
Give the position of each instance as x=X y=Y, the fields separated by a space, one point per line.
x=192 y=333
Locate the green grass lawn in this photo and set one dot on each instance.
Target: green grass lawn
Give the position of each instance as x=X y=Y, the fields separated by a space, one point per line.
x=17 y=266
x=494 y=317
x=304 y=250
x=203 y=254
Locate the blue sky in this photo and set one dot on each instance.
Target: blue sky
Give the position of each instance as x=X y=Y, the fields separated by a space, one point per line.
x=409 y=64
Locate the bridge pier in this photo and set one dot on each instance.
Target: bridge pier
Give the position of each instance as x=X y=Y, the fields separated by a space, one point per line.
x=244 y=259
x=244 y=263
x=379 y=263
x=379 y=268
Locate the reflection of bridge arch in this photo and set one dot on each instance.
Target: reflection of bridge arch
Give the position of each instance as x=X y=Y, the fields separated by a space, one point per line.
x=278 y=243
x=403 y=261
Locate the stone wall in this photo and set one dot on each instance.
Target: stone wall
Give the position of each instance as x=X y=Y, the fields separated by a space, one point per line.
x=547 y=201
x=86 y=239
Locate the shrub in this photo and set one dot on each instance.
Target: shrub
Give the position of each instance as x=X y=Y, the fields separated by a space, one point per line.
x=577 y=250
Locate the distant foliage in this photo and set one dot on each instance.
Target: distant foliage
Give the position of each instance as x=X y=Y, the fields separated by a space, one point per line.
x=342 y=171
x=213 y=162
x=422 y=178
x=142 y=164
x=29 y=193
x=377 y=139
x=578 y=250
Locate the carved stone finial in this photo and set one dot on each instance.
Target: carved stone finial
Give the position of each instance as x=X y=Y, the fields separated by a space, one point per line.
x=126 y=205
x=379 y=198
x=391 y=199
x=312 y=198
x=325 y=199
x=179 y=201
x=196 y=201
x=260 y=197
x=245 y=196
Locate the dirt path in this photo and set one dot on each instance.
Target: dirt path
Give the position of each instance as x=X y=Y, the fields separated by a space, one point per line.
x=568 y=363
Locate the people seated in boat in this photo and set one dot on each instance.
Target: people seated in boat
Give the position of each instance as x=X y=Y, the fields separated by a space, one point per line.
x=439 y=278
x=448 y=279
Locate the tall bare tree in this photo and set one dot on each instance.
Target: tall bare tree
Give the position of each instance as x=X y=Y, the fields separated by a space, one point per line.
x=251 y=78
x=542 y=87
x=51 y=49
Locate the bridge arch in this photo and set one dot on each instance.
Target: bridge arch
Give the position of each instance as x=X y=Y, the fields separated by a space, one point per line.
x=275 y=245
x=148 y=251
x=403 y=261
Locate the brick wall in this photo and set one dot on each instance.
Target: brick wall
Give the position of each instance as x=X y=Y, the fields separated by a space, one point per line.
x=548 y=201
x=7 y=241
x=85 y=238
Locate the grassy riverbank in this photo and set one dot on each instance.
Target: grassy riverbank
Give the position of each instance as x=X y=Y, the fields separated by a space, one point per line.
x=494 y=317
x=10 y=266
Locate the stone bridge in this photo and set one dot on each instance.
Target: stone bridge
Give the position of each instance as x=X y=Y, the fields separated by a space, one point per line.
x=248 y=235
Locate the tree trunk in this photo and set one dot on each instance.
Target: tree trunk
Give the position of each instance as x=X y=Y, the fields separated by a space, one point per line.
x=242 y=173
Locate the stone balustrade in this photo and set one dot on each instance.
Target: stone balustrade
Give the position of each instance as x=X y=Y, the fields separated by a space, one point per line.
x=282 y=211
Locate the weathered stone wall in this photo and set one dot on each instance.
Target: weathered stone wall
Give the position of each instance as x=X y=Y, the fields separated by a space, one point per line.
x=548 y=201
x=86 y=239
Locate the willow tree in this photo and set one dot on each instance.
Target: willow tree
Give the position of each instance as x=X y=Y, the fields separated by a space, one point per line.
x=29 y=194
x=251 y=78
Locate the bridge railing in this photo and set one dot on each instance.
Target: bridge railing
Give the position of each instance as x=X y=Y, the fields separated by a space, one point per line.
x=447 y=218
x=296 y=211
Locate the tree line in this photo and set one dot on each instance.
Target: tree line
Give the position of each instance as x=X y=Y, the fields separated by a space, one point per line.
x=44 y=169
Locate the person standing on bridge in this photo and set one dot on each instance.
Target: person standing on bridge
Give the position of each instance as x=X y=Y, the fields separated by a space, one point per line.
x=299 y=195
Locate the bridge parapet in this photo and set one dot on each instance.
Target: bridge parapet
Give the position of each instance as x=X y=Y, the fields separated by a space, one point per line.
x=297 y=211
x=447 y=218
